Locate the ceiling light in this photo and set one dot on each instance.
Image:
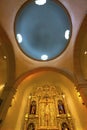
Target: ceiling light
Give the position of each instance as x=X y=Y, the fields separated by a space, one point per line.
x=19 y=38
x=4 y=57
x=85 y=52
x=2 y=86
x=40 y=2
x=44 y=57
x=67 y=32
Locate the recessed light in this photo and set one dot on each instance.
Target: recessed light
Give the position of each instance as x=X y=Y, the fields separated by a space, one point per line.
x=44 y=57
x=40 y=2
x=85 y=52
x=5 y=57
x=67 y=33
x=2 y=86
x=19 y=38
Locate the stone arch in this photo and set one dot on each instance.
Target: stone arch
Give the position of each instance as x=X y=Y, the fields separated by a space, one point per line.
x=8 y=49
x=79 y=51
x=7 y=53
x=42 y=69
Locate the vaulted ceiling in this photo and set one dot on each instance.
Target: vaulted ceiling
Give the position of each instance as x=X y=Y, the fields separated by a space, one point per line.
x=72 y=62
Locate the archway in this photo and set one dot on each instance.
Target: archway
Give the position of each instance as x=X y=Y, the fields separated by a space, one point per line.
x=18 y=111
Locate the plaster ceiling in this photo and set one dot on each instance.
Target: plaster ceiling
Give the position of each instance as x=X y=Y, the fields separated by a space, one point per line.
x=77 y=11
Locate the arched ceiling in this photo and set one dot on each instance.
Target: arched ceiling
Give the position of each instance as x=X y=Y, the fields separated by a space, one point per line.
x=83 y=53
x=20 y=64
x=80 y=51
x=7 y=62
x=42 y=78
x=3 y=69
x=8 y=11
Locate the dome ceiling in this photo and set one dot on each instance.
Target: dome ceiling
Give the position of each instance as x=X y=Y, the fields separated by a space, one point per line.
x=42 y=30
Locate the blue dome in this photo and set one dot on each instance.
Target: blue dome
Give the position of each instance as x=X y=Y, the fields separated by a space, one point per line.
x=42 y=31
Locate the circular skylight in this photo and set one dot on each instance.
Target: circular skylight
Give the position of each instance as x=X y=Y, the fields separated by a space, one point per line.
x=42 y=29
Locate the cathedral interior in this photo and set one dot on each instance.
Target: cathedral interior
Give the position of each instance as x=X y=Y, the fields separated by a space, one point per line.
x=43 y=65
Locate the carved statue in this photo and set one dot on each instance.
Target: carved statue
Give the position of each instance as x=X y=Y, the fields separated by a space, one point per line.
x=61 y=107
x=33 y=107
